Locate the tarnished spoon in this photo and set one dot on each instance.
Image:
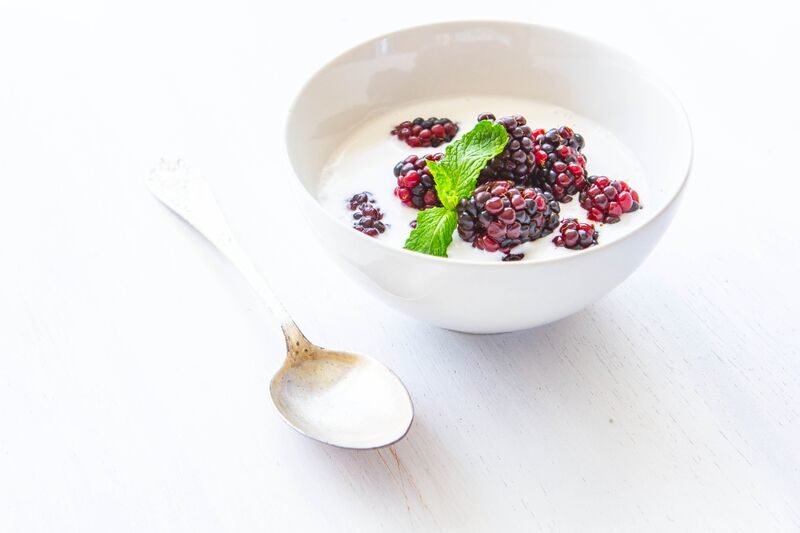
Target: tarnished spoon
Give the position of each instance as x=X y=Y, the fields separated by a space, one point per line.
x=338 y=398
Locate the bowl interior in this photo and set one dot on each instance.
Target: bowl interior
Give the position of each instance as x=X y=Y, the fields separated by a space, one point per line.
x=479 y=58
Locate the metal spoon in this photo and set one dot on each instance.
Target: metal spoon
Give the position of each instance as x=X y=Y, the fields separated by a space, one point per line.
x=339 y=398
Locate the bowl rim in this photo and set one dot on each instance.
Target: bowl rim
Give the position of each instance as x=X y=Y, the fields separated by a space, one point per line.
x=657 y=80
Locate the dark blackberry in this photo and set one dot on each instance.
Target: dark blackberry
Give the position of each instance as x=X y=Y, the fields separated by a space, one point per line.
x=516 y=161
x=501 y=215
x=367 y=216
x=415 y=186
x=560 y=165
x=576 y=235
x=431 y=132
x=606 y=199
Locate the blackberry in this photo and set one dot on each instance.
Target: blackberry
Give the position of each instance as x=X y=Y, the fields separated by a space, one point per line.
x=606 y=199
x=516 y=161
x=501 y=215
x=431 y=132
x=367 y=216
x=560 y=165
x=360 y=198
x=576 y=235
x=415 y=186
x=572 y=138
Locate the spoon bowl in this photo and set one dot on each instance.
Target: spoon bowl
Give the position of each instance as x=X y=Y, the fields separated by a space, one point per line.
x=340 y=398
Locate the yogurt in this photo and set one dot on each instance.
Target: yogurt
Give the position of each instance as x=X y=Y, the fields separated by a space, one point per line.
x=364 y=162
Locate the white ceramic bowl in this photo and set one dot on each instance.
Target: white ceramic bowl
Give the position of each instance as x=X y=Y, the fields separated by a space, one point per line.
x=570 y=71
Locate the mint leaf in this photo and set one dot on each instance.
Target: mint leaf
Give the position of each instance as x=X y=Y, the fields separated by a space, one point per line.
x=456 y=174
x=434 y=231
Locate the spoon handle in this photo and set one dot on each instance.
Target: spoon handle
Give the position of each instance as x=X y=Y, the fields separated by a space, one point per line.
x=192 y=199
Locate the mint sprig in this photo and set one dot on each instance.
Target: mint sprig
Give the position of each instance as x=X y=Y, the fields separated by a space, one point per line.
x=455 y=177
x=457 y=173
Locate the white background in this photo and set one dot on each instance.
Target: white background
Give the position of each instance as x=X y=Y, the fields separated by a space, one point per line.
x=134 y=362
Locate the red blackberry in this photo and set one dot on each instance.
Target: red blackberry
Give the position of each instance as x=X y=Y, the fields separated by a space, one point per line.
x=421 y=132
x=500 y=215
x=606 y=199
x=560 y=165
x=572 y=138
x=415 y=186
x=516 y=161
x=576 y=235
x=367 y=216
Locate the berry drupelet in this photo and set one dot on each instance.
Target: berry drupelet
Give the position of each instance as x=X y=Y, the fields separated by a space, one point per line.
x=576 y=235
x=423 y=133
x=606 y=199
x=516 y=161
x=560 y=165
x=572 y=138
x=501 y=215
x=415 y=186
x=366 y=215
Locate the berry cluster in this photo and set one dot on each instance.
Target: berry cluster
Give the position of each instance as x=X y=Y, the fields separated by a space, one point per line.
x=516 y=161
x=366 y=215
x=606 y=199
x=560 y=165
x=501 y=215
x=576 y=235
x=518 y=193
x=423 y=133
x=415 y=186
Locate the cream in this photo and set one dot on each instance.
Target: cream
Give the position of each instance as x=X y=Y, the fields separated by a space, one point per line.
x=364 y=162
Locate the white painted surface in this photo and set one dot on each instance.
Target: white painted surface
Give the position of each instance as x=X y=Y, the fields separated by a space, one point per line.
x=134 y=363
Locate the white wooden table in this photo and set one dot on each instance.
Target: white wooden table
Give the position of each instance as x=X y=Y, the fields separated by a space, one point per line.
x=134 y=362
